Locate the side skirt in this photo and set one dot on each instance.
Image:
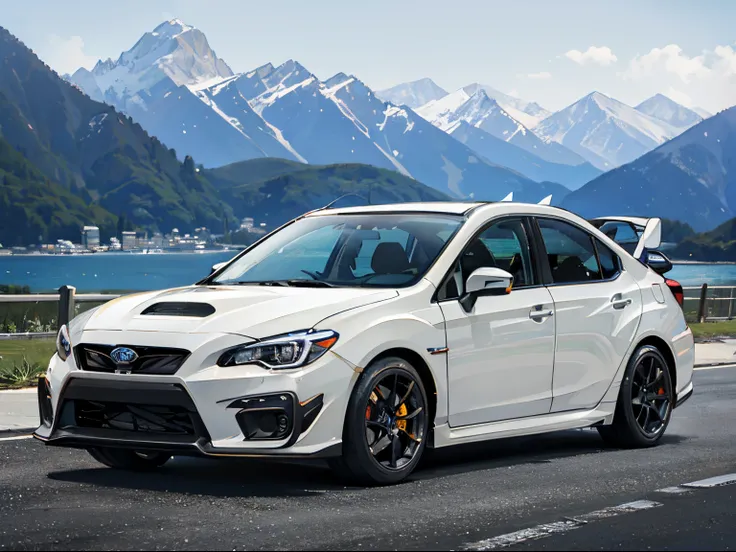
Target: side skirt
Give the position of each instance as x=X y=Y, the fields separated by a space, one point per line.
x=445 y=436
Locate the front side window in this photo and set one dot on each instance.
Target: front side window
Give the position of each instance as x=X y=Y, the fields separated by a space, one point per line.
x=504 y=245
x=383 y=250
x=570 y=251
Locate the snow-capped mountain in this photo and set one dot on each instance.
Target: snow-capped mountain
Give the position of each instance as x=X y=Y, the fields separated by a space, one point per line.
x=172 y=83
x=427 y=153
x=604 y=131
x=663 y=108
x=172 y=50
x=483 y=112
x=412 y=94
x=527 y=113
x=691 y=178
x=503 y=153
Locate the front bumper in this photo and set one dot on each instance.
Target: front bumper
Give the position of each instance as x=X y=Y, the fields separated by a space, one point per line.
x=198 y=410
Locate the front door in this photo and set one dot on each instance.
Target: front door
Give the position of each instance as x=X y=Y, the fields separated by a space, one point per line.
x=598 y=306
x=501 y=353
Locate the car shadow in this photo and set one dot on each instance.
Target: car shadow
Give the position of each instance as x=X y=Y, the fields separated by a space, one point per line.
x=232 y=477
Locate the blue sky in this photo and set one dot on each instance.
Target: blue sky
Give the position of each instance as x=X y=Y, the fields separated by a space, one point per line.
x=538 y=50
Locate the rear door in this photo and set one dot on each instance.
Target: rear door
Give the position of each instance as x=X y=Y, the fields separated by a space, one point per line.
x=598 y=306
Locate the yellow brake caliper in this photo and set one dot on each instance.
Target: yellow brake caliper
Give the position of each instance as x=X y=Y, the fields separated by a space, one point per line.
x=401 y=424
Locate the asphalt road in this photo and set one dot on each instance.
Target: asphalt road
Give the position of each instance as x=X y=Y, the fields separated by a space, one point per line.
x=465 y=498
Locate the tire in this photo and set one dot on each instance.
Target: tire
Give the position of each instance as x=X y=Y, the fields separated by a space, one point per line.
x=371 y=420
x=129 y=460
x=636 y=426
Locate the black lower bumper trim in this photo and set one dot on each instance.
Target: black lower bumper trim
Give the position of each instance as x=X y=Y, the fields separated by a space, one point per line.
x=87 y=439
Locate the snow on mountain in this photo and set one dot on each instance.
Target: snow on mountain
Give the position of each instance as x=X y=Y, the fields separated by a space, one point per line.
x=604 y=131
x=172 y=50
x=427 y=153
x=527 y=113
x=412 y=94
x=483 y=112
x=663 y=108
x=504 y=153
x=175 y=86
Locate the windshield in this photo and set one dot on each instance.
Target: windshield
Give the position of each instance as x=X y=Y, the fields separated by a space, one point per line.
x=383 y=250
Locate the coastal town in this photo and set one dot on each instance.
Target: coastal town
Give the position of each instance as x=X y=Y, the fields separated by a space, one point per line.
x=141 y=241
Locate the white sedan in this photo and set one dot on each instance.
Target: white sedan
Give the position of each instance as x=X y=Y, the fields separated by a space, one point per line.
x=364 y=335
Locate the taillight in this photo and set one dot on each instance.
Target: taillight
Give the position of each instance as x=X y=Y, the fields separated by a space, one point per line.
x=676 y=289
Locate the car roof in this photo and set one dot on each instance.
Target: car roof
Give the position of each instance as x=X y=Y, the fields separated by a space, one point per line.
x=447 y=207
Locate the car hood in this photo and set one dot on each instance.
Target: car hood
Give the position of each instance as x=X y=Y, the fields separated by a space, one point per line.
x=251 y=311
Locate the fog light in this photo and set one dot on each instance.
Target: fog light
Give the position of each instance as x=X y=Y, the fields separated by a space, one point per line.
x=265 y=418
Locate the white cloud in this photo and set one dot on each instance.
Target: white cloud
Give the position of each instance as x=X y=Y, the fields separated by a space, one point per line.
x=672 y=60
x=599 y=55
x=540 y=76
x=707 y=79
x=67 y=54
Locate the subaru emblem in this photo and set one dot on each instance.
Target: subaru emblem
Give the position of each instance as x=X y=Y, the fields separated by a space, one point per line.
x=123 y=355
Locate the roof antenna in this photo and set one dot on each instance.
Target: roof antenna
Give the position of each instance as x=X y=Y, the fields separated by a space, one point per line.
x=546 y=201
x=331 y=203
x=509 y=197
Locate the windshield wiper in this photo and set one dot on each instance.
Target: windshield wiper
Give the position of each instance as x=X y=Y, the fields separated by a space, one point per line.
x=309 y=283
x=289 y=283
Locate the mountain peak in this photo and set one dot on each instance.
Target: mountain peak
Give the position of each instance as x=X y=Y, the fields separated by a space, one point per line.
x=668 y=110
x=413 y=94
x=172 y=28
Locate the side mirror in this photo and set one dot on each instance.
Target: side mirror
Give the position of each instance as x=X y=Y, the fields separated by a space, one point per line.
x=485 y=281
x=658 y=262
x=217 y=267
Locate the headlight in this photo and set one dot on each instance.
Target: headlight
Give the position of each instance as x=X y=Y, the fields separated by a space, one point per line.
x=282 y=352
x=63 y=343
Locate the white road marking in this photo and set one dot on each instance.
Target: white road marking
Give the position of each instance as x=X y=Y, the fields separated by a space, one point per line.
x=714 y=367
x=16 y=438
x=673 y=490
x=719 y=481
x=558 y=527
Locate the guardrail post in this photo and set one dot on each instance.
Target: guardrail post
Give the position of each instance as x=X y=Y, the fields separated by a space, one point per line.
x=66 y=304
x=701 y=306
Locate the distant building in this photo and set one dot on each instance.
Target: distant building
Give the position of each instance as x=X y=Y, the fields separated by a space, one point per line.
x=115 y=244
x=129 y=241
x=91 y=237
x=246 y=223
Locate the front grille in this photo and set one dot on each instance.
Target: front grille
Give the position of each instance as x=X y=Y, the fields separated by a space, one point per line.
x=151 y=360
x=130 y=412
x=162 y=420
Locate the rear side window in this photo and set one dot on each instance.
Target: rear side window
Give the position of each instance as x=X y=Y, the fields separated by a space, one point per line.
x=622 y=233
x=570 y=251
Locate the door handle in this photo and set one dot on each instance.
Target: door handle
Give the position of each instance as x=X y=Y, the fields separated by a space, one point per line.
x=619 y=302
x=535 y=314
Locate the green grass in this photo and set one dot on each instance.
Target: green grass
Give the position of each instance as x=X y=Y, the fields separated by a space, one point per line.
x=23 y=360
x=725 y=328
x=35 y=351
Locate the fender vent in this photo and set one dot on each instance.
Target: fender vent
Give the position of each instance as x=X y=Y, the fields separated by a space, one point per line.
x=172 y=308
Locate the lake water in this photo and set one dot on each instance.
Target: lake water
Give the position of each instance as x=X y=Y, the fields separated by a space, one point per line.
x=139 y=272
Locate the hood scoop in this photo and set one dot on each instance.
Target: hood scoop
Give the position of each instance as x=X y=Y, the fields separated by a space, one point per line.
x=179 y=308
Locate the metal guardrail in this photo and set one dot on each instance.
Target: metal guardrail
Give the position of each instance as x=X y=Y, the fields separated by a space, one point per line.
x=67 y=299
x=703 y=303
